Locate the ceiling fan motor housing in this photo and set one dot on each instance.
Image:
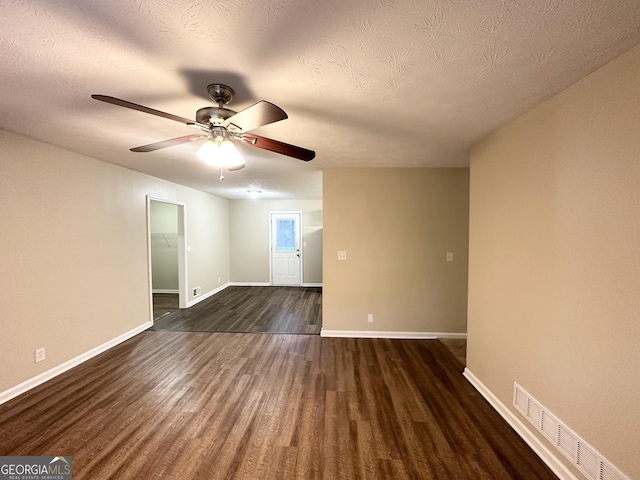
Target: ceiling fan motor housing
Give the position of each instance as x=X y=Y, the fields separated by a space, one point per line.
x=213 y=115
x=220 y=93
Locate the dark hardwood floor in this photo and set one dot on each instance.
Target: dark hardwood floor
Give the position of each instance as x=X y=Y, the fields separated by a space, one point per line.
x=185 y=405
x=253 y=310
x=164 y=303
x=458 y=348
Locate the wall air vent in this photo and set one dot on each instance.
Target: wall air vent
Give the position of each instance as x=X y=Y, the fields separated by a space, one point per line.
x=607 y=472
x=549 y=427
x=534 y=413
x=520 y=400
x=582 y=455
x=567 y=442
x=588 y=461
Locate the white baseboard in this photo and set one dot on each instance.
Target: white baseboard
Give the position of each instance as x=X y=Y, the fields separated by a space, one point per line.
x=250 y=284
x=458 y=336
x=54 y=372
x=312 y=285
x=160 y=290
x=398 y=335
x=192 y=302
x=536 y=444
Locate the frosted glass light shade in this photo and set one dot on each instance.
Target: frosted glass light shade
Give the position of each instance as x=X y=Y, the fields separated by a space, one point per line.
x=225 y=155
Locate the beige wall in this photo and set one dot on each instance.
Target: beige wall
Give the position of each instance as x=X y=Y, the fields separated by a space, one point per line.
x=554 y=274
x=164 y=245
x=249 y=234
x=74 y=252
x=396 y=226
x=208 y=236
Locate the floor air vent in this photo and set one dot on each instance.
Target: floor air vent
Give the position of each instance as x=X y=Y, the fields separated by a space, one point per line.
x=583 y=456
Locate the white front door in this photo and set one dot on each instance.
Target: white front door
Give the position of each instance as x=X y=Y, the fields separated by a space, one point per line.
x=286 y=260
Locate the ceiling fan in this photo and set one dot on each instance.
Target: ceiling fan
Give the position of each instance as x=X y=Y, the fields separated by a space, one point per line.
x=222 y=127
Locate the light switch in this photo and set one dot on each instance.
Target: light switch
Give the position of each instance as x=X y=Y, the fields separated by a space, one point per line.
x=304 y=244
x=188 y=248
x=342 y=255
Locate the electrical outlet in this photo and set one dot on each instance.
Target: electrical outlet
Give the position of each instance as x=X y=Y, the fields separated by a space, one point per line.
x=196 y=291
x=370 y=318
x=219 y=280
x=342 y=255
x=449 y=256
x=40 y=354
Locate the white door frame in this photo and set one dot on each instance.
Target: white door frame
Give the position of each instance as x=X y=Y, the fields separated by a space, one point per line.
x=299 y=243
x=182 y=252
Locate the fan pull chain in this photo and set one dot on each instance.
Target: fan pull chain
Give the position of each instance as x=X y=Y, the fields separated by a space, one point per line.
x=221 y=173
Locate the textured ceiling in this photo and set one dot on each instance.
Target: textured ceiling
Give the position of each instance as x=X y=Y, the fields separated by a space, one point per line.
x=377 y=83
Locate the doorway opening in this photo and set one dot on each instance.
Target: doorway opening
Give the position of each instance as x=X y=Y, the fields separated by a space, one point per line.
x=285 y=240
x=166 y=256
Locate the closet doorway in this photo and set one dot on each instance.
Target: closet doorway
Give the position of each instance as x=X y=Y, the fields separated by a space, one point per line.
x=167 y=256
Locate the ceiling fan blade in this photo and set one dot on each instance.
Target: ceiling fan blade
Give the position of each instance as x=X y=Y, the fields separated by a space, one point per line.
x=257 y=115
x=278 y=147
x=167 y=143
x=141 y=108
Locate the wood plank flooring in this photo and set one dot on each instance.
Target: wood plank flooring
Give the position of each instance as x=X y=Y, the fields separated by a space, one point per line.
x=457 y=347
x=185 y=405
x=253 y=310
x=164 y=303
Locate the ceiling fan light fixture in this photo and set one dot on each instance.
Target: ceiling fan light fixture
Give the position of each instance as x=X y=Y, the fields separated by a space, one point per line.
x=220 y=125
x=220 y=154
